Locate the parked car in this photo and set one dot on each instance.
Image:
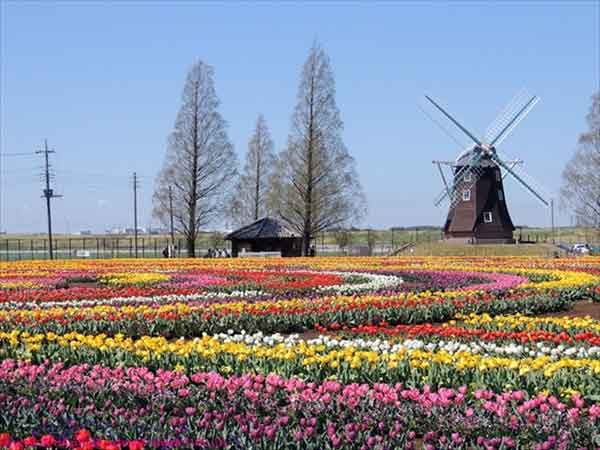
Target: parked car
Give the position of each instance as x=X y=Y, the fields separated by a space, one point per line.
x=581 y=249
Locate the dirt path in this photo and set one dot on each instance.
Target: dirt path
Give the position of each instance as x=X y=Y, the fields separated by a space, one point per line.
x=581 y=309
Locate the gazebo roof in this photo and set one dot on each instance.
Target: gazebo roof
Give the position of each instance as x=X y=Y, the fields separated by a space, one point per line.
x=265 y=228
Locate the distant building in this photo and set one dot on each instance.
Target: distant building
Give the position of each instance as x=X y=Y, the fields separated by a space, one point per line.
x=85 y=233
x=126 y=230
x=155 y=231
x=131 y=230
x=265 y=235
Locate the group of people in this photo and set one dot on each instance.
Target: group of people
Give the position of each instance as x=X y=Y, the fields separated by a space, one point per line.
x=218 y=253
x=169 y=251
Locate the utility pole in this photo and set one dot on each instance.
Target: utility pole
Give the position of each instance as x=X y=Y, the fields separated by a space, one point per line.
x=135 y=216
x=552 y=219
x=48 y=194
x=171 y=218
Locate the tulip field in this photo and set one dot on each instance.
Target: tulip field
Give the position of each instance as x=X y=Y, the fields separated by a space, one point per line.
x=300 y=353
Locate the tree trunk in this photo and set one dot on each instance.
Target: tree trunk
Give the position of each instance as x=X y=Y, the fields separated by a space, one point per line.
x=305 y=244
x=190 y=243
x=309 y=176
x=191 y=237
x=257 y=187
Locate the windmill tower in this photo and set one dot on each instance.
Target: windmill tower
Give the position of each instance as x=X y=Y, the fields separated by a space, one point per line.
x=477 y=211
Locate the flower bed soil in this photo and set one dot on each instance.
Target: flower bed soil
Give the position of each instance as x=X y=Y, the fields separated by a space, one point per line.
x=580 y=309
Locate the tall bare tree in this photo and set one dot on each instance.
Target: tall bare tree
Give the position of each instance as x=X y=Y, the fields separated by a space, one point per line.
x=200 y=163
x=317 y=184
x=251 y=196
x=581 y=177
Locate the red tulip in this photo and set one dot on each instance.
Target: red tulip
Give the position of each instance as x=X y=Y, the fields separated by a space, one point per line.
x=47 y=440
x=30 y=441
x=89 y=445
x=108 y=445
x=136 y=445
x=83 y=435
x=4 y=439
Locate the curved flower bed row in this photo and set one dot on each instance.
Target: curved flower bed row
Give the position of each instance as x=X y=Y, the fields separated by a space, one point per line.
x=485 y=325
x=124 y=278
x=169 y=409
x=418 y=280
x=416 y=362
x=283 y=316
x=346 y=283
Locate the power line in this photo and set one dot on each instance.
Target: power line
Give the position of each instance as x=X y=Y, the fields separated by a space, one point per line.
x=24 y=181
x=135 y=226
x=97 y=174
x=18 y=154
x=20 y=170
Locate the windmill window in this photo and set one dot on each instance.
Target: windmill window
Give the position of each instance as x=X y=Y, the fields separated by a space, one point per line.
x=468 y=177
x=500 y=194
x=487 y=217
x=466 y=195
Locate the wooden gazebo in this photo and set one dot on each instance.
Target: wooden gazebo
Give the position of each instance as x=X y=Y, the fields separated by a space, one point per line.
x=265 y=235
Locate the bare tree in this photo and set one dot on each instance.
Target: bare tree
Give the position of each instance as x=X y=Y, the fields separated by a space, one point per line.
x=581 y=177
x=317 y=184
x=199 y=164
x=251 y=196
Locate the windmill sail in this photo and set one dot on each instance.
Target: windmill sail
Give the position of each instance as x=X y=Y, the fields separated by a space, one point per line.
x=516 y=110
x=439 y=166
x=522 y=177
x=454 y=121
x=469 y=169
x=476 y=174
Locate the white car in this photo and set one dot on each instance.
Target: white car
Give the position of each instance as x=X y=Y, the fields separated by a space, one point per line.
x=581 y=249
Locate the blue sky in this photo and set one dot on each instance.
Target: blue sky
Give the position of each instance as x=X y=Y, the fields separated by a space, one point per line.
x=102 y=82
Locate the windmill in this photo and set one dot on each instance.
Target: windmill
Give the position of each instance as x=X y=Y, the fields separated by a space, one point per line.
x=477 y=205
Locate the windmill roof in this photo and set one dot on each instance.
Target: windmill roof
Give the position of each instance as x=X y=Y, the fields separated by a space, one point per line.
x=265 y=228
x=464 y=157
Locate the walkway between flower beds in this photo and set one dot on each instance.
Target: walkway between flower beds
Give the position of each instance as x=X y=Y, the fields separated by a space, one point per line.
x=580 y=309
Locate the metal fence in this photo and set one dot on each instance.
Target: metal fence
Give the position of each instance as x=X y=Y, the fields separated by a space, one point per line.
x=83 y=248
x=12 y=249
x=152 y=247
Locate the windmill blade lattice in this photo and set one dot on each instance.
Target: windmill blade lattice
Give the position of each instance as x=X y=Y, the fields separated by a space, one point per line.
x=454 y=193
x=522 y=177
x=454 y=121
x=506 y=121
x=476 y=173
x=470 y=168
